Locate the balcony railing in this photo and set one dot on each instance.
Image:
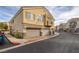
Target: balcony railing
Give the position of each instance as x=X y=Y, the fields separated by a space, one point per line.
x=48 y=24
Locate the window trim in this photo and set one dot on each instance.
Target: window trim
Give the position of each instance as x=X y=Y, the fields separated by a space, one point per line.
x=29 y=16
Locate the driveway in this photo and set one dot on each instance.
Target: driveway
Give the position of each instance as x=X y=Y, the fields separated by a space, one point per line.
x=64 y=43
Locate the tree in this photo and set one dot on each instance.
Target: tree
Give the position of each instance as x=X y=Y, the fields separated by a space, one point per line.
x=3 y=26
x=73 y=26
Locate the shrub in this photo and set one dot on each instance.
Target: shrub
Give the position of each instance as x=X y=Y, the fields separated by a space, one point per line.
x=18 y=35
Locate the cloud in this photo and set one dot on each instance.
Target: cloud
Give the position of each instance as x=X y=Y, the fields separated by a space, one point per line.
x=60 y=12
x=51 y=9
x=5 y=16
x=7 y=12
x=64 y=13
x=69 y=14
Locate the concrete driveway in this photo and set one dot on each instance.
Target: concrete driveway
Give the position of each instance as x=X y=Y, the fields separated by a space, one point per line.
x=64 y=43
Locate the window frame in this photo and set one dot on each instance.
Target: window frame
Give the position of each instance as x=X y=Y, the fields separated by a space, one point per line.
x=29 y=16
x=39 y=17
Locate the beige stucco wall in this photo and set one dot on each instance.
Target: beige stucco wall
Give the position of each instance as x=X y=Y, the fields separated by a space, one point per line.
x=38 y=11
x=77 y=24
x=34 y=21
x=17 y=25
x=73 y=19
x=21 y=23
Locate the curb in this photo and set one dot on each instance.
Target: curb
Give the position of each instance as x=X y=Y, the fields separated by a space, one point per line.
x=42 y=39
x=76 y=33
x=20 y=45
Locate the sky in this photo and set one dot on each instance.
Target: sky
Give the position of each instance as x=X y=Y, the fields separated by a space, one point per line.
x=7 y=12
x=61 y=13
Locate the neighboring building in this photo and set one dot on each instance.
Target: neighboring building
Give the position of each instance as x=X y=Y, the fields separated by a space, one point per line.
x=32 y=21
x=73 y=24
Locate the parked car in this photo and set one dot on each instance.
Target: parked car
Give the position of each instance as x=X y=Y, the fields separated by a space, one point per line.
x=1 y=38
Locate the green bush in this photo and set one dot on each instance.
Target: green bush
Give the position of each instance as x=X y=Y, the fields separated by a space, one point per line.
x=16 y=35
x=3 y=26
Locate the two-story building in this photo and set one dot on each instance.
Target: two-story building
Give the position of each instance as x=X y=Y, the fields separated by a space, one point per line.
x=32 y=21
x=73 y=24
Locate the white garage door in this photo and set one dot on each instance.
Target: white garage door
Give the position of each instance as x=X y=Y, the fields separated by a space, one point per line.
x=32 y=33
x=45 y=32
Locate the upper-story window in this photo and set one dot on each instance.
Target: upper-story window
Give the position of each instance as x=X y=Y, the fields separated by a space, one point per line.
x=39 y=17
x=29 y=16
x=50 y=22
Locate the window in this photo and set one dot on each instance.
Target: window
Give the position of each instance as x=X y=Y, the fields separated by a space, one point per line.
x=29 y=16
x=39 y=17
x=50 y=22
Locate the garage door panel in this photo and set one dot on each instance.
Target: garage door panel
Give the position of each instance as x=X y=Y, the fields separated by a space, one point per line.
x=45 y=32
x=33 y=33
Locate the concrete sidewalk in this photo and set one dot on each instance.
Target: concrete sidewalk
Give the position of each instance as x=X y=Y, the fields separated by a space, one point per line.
x=76 y=33
x=31 y=40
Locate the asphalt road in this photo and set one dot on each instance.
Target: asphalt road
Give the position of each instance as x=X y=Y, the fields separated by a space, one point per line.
x=64 y=43
x=6 y=44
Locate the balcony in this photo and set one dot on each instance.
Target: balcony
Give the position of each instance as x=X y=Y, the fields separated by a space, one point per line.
x=48 y=24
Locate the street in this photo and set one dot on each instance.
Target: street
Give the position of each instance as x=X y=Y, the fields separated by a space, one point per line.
x=64 y=43
x=6 y=43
